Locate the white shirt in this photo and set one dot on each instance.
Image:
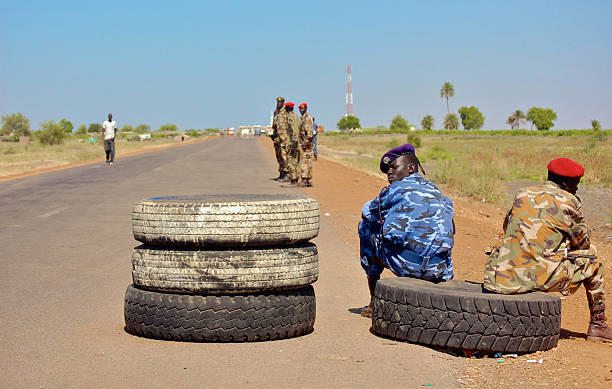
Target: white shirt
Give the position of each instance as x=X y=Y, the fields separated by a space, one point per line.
x=109 y=129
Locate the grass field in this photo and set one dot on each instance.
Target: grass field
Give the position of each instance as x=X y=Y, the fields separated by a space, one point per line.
x=478 y=166
x=17 y=159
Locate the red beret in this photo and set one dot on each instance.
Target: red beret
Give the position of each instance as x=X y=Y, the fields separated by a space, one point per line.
x=565 y=167
x=289 y=104
x=302 y=105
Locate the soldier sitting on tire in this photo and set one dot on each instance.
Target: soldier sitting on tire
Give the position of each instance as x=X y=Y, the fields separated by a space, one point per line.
x=547 y=246
x=409 y=227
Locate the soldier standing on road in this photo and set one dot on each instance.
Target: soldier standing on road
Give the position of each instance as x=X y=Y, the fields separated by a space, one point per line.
x=306 y=141
x=547 y=246
x=293 y=145
x=280 y=156
x=282 y=132
x=110 y=131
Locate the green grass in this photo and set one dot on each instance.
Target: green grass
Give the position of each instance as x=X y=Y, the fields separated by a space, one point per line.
x=478 y=166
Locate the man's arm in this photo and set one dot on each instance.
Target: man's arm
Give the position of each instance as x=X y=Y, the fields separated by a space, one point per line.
x=579 y=230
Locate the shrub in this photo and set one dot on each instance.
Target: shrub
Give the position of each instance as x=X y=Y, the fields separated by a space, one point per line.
x=414 y=138
x=398 y=123
x=51 y=133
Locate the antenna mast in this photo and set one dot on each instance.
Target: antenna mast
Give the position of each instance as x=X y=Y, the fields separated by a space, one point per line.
x=349 y=92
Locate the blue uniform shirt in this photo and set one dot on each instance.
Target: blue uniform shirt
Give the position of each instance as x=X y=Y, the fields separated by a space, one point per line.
x=409 y=227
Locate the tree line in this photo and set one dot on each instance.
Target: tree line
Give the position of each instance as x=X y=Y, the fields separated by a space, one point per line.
x=470 y=117
x=51 y=132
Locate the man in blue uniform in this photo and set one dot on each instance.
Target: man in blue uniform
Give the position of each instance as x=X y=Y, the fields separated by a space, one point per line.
x=409 y=227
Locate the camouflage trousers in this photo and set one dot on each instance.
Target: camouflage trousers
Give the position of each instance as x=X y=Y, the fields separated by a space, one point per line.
x=293 y=161
x=280 y=156
x=306 y=161
x=283 y=145
x=566 y=276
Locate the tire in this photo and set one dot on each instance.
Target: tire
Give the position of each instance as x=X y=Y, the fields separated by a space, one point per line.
x=225 y=220
x=226 y=318
x=225 y=270
x=459 y=315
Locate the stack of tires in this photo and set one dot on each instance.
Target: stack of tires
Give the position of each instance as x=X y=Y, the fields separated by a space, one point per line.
x=223 y=268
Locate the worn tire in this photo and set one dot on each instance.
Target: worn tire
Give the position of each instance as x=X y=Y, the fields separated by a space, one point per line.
x=215 y=271
x=459 y=315
x=227 y=318
x=225 y=220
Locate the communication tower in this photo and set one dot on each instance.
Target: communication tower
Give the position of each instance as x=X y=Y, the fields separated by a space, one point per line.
x=349 y=92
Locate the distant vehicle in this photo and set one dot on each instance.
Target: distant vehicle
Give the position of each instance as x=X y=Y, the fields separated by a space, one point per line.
x=257 y=132
x=246 y=131
x=231 y=131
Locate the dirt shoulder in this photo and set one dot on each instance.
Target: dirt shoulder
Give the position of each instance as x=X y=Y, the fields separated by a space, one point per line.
x=342 y=191
x=62 y=165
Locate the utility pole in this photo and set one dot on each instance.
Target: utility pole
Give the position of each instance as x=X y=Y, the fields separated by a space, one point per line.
x=349 y=93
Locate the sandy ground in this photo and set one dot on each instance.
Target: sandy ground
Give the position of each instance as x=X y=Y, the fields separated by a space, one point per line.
x=342 y=191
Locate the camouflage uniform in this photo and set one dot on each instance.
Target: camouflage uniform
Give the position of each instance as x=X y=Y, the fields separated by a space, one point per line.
x=282 y=130
x=546 y=247
x=293 y=146
x=282 y=164
x=409 y=228
x=306 y=137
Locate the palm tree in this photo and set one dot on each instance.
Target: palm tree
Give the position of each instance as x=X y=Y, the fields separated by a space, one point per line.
x=516 y=119
x=448 y=90
x=451 y=122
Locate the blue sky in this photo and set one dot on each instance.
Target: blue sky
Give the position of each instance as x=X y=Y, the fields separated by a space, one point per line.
x=222 y=64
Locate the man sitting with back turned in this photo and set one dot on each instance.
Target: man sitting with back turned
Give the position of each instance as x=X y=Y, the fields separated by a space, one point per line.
x=547 y=246
x=409 y=227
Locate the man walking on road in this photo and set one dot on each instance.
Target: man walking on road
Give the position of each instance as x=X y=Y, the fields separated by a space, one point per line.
x=293 y=146
x=281 y=157
x=110 y=131
x=547 y=246
x=306 y=140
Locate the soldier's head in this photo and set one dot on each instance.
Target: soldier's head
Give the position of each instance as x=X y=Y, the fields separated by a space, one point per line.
x=110 y=117
x=289 y=106
x=565 y=173
x=280 y=101
x=303 y=108
x=400 y=162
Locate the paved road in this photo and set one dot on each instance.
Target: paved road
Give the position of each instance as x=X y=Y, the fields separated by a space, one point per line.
x=66 y=247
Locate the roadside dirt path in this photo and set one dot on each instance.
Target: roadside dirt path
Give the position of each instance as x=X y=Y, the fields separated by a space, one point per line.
x=342 y=191
x=62 y=165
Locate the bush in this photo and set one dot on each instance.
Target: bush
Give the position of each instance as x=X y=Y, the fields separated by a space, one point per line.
x=134 y=138
x=414 y=138
x=193 y=133
x=51 y=133
x=398 y=123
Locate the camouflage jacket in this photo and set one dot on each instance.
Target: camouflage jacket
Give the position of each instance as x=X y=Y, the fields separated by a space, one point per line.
x=294 y=127
x=306 y=134
x=544 y=223
x=412 y=216
x=281 y=122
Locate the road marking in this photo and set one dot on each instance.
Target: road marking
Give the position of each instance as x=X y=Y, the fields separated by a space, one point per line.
x=51 y=213
x=157 y=169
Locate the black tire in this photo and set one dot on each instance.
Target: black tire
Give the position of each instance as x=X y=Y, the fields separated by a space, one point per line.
x=225 y=220
x=226 y=318
x=459 y=315
x=215 y=271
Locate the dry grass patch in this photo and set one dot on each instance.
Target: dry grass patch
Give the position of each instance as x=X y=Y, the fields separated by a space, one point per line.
x=478 y=166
